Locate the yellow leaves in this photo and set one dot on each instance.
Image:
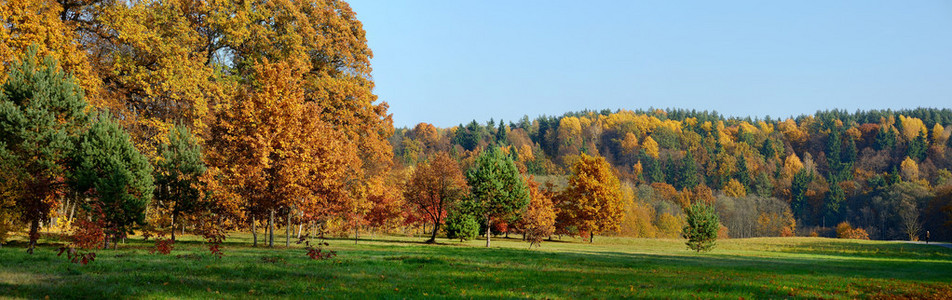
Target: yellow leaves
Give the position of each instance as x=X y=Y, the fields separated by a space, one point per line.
x=909 y=169
x=912 y=127
x=594 y=189
x=939 y=135
x=735 y=189
x=630 y=143
x=650 y=147
x=792 y=164
x=27 y=22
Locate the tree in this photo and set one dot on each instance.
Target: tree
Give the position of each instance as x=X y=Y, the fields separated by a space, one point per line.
x=42 y=112
x=118 y=178
x=702 y=226
x=496 y=187
x=909 y=218
x=592 y=195
x=434 y=187
x=539 y=218
x=461 y=225
x=177 y=173
x=277 y=154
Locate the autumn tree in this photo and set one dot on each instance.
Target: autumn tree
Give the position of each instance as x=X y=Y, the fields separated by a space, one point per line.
x=177 y=171
x=592 y=192
x=702 y=226
x=434 y=187
x=496 y=187
x=42 y=113
x=115 y=175
x=539 y=219
x=277 y=154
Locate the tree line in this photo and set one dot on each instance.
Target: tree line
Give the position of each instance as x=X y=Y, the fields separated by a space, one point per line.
x=882 y=171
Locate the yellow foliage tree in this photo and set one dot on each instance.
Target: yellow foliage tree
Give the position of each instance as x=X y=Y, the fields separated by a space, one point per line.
x=595 y=204
x=735 y=189
x=650 y=147
x=909 y=169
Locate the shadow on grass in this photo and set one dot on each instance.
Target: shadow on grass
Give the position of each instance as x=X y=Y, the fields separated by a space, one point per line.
x=418 y=271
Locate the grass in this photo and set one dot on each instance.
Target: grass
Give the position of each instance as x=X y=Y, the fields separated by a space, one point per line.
x=402 y=267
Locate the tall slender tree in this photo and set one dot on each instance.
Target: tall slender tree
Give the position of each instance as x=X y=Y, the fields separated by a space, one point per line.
x=179 y=167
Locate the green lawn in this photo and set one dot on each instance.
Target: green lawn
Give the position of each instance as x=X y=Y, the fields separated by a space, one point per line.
x=401 y=267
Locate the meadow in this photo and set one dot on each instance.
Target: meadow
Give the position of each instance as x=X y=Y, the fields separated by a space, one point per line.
x=403 y=267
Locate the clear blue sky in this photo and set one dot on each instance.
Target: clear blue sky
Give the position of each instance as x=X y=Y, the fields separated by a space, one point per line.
x=449 y=62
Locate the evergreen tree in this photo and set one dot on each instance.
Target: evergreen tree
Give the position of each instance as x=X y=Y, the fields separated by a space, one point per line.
x=885 y=139
x=652 y=168
x=834 y=199
x=689 y=171
x=798 y=190
x=743 y=174
x=119 y=178
x=497 y=188
x=178 y=168
x=502 y=133
x=767 y=149
x=702 y=227
x=917 y=148
x=833 y=156
x=42 y=112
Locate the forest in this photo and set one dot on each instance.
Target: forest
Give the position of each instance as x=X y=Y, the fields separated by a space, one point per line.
x=883 y=171
x=154 y=118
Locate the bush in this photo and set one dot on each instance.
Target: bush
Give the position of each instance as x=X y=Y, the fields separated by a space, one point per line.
x=845 y=231
x=461 y=226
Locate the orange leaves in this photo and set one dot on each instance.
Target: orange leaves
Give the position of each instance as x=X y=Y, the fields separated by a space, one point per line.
x=539 y=218
x=436 y=186
x=278 y=152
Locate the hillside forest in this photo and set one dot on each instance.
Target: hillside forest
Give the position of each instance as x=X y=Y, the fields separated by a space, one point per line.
x=153 y=118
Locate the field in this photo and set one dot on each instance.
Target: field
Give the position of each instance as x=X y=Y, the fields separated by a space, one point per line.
x=401 y=267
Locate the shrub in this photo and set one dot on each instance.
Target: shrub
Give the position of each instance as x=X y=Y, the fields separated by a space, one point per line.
x=461 y=226
x=845 y=231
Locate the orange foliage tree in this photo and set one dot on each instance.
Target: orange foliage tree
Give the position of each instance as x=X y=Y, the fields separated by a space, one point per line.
x=538 y=221
x=276 y=154
x=434 y=187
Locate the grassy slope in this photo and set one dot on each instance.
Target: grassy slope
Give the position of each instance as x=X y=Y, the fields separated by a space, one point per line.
x=399 y=267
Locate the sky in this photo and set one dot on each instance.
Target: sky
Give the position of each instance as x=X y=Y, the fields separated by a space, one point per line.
x=451 y=62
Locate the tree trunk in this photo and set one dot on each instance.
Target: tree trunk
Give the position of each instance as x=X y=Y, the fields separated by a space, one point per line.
x=356 y=231
x=173 y=227
x=71 y=211
x=34 y=234
x=300 y=225
x=436 y=228
x=489 y=229
x=591 y=237
x=287 y=242
x=271 y=230
x=254 y=231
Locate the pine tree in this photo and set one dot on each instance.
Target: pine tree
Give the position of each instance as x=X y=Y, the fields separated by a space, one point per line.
x=118 y=177
x=743 y=174
x=702 y=227
x=177 y=173
x=917 y=148
x=496 y=186
x=42 y=112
